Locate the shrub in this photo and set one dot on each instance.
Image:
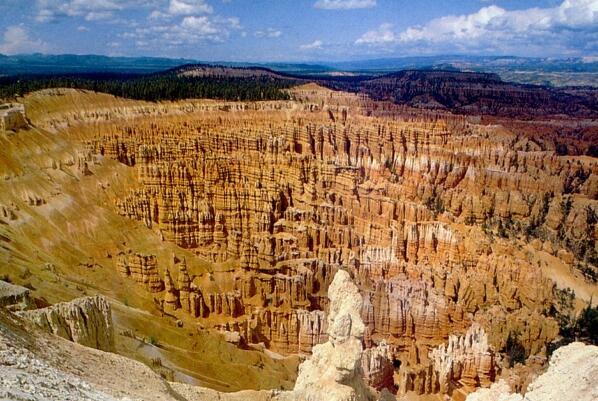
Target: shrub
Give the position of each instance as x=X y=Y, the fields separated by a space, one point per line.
x=586 y=325
x=153 y=341
x=514 y=350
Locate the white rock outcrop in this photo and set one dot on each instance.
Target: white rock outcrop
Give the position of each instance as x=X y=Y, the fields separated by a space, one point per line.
x=333 y=372
x=571 y=376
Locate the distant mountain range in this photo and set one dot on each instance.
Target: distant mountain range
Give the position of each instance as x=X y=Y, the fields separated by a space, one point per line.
x=573 y=64
x=71 y=64
x=579 y=71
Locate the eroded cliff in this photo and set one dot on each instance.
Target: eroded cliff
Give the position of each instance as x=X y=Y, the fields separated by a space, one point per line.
x=237 y=216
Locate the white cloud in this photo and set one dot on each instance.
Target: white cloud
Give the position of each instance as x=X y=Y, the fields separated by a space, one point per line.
x=182 y=8
x=49 y=10
x=234 y=22
x=344 y=4
x=188 y=7
x=268 y=33
x=382 y=35
x=201 y=26
x=315 y=45
x=190 y=30
x=494 y=21
x=182 y=23
x=567 y=26
x=16 y=40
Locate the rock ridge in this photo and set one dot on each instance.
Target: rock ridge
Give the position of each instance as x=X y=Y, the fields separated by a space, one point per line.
x=86 y=321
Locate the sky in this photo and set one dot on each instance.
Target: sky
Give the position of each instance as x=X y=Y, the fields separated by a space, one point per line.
x=300 y=30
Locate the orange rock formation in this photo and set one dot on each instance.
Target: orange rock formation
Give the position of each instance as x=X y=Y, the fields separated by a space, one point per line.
x=428 y=211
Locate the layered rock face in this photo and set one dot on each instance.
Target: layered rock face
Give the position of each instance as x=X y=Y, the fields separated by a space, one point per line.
x=474 y=93
x=464 y=362
x=428 y=211
x=12 y=116
x=86 y=321
x=378 y=368
x=141 y=268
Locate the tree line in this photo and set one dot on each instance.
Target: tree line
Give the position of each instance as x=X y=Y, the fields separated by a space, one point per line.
x=153 y=87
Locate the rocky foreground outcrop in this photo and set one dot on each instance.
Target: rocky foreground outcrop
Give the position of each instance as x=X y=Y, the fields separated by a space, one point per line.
x=86 y=321
x=571 y=376
x=14 y=297
x=34 y=366
x=334 y=368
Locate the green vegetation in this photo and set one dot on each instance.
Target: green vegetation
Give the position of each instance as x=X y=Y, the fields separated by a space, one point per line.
x=586 y=327
x=153 y=341
x=470 y=219
x=562 y=310
x=514 y=350
x=435 y=204
x=583 y=327
x=155 y=87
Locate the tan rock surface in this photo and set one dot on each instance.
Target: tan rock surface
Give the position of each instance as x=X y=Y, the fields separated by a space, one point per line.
x=464 y=362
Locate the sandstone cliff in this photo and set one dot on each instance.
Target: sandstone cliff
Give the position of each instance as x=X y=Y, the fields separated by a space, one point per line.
x=14 y=297
x=395 y=200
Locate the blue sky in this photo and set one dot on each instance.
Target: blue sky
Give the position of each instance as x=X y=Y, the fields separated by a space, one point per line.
x=300 y=30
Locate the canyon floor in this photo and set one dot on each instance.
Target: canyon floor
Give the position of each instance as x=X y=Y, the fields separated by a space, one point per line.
x=214 y=230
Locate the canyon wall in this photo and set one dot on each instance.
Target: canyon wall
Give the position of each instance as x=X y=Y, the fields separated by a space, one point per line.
x=442 y=222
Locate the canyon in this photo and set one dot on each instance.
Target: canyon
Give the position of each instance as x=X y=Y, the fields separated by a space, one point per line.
x=216 y=232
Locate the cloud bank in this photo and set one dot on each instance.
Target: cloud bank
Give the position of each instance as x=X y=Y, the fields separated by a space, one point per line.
x=344 y=4
x=571 y=25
